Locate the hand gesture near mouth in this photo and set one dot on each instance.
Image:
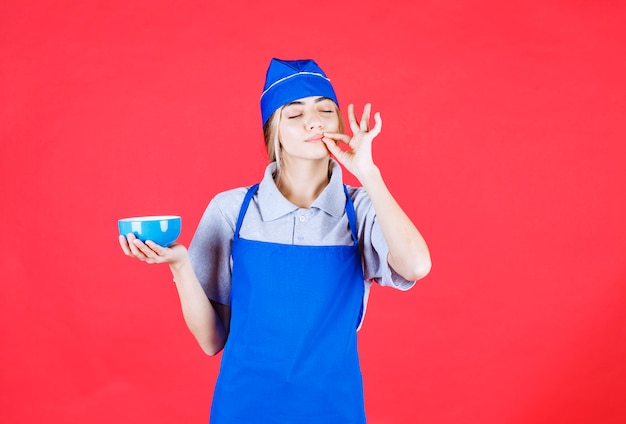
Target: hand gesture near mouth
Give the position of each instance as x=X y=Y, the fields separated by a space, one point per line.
x=357 y=155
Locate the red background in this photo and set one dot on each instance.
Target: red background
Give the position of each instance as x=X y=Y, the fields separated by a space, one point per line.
x=503 y=139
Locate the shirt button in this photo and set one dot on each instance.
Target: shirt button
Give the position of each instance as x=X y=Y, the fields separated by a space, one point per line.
x=302 y=218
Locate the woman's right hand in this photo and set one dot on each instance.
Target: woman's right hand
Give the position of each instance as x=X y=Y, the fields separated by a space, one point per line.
x=151 y=252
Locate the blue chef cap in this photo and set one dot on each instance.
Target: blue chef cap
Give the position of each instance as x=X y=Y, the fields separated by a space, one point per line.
x=289 y=80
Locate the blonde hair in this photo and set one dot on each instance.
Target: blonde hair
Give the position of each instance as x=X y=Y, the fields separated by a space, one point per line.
x=271 y=134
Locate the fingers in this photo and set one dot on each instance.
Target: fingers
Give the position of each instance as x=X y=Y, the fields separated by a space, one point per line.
x=124 y=245
x=154 y=247
x=129 y=247
x=331 y=146
x=363 y=124
x=145 y=253
x=354 y=127
x=338 y=137
x=365 y=118
x=148 y=252
x=378 y=124
x=136 y=247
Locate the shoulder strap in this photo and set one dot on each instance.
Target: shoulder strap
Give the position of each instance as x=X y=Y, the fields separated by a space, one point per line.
x=351 y=215
x=244 y=207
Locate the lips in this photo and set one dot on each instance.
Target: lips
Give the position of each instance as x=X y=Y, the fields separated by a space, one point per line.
x=315 y=139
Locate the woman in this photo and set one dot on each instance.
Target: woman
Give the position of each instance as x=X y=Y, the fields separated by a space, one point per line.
x=278 y=274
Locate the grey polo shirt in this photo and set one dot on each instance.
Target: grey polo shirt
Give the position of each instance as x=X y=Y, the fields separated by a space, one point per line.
x=273 y=218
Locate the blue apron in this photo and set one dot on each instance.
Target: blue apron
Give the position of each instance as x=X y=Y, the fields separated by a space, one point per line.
x=291 y=355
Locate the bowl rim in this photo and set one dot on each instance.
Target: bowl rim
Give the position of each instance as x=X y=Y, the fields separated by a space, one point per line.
x=150 y=218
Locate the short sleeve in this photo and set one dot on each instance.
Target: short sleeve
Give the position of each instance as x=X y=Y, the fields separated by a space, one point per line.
x=374 y=248
x=210 y=248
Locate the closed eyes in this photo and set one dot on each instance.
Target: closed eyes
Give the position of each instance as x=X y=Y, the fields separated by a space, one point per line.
x=300 y=114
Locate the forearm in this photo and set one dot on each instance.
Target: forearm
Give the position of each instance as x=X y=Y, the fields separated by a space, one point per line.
x=200 y=316
x=408 y=252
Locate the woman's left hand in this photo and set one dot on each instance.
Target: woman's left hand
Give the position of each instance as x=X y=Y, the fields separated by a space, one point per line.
x=357 y=157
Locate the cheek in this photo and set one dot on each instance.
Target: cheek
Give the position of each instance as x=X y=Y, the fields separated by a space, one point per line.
x=332 y=124
x=286 y=132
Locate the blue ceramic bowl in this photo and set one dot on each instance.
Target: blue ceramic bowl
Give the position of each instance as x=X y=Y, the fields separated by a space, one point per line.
x=163 y=230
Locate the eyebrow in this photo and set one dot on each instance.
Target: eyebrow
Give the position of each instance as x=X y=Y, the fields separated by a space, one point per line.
x=319 y=99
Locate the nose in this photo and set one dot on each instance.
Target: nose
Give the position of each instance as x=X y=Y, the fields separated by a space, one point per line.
x=314 y=122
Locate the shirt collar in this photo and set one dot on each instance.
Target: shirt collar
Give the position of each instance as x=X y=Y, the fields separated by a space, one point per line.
x=273 y=204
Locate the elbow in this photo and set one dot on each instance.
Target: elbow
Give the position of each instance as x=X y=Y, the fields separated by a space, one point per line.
x=213 y=344
x=212 y=349
x=210 y=339
x=412 y=270
x=420 y=269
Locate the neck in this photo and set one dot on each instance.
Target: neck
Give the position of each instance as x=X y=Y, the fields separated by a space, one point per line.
x=301 y=182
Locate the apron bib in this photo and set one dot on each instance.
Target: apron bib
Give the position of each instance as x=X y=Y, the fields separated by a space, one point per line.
x=291 y=355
